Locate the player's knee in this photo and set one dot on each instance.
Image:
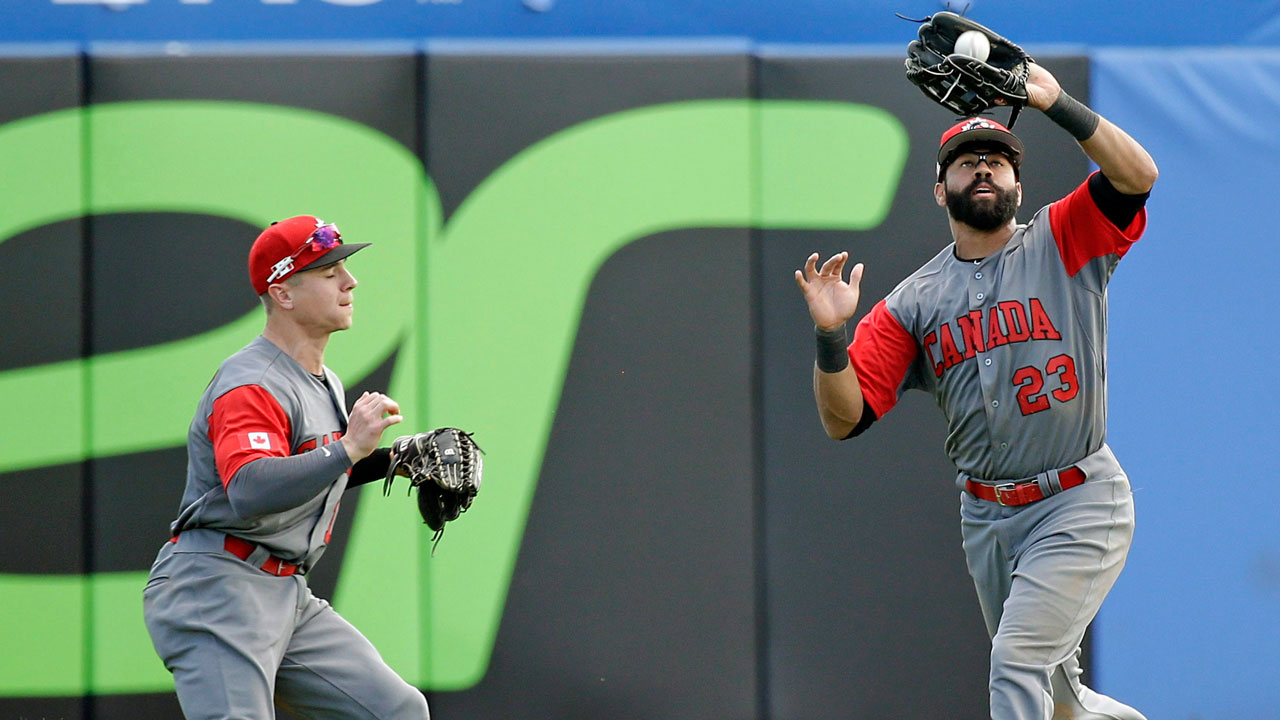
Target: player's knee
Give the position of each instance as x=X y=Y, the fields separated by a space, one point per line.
x=1011 y=657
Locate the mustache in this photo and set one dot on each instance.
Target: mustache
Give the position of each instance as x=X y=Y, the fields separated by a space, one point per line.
x=980 y=183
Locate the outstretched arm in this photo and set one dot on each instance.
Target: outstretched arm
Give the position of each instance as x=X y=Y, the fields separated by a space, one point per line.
x=1126 y=163
x=832 y=301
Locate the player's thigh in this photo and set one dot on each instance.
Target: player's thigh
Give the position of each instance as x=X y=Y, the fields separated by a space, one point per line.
x=331 y=670
x=986 y=557
x=221 y=634
x=1065 y=570
x=214 y=680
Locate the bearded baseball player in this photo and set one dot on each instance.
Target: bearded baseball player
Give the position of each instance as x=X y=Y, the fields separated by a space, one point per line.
x=270 y=452
x=1006 y=328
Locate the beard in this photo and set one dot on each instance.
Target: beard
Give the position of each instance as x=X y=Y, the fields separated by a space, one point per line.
x=980 y=213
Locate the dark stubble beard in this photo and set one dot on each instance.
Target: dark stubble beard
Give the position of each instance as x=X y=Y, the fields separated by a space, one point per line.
x=981 y=214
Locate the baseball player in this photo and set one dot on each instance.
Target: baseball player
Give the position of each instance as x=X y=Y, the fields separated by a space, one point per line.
x=1006 y=328
x=270 y=452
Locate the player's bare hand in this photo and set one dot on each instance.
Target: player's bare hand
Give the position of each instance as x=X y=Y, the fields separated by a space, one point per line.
x=1042 y=87
x=831 y=299
x=371 y=414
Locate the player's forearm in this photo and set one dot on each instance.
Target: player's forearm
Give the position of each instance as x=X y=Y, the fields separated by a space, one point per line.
x=1126 y=163
x=275 y=484
x=839 y=399
x=835 y=383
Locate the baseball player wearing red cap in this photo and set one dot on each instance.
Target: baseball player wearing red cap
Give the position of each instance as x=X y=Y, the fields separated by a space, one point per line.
x=270 y=451
x=1006 y=328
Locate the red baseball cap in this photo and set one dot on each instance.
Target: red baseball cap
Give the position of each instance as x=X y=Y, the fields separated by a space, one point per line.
x=978 y=130
x=303 y=242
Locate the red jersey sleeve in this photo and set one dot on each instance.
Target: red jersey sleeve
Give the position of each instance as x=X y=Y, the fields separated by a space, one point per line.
x=881 y=353
x=1083 y=233
x=246 y=424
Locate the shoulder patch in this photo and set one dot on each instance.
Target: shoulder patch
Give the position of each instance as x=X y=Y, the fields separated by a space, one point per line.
x=259 y=441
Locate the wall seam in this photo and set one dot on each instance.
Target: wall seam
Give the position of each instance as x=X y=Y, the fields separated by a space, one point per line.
x=756 y=332
x=87 y=504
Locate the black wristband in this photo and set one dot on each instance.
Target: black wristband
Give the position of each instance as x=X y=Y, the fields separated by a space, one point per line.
x=1074 y=116
x=833 y=349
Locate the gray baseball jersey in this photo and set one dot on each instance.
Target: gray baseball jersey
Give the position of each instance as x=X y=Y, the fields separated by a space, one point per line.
x=262 y=403
x=1012 y=346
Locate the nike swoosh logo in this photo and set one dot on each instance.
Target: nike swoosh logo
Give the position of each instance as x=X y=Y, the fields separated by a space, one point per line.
x=326 y=452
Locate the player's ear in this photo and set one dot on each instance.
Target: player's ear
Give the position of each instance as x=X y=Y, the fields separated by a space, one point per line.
x=1018 y=186
x=940 y=194
x=279 y=292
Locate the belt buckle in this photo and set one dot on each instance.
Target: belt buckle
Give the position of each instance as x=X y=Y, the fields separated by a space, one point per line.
x=1004 y=487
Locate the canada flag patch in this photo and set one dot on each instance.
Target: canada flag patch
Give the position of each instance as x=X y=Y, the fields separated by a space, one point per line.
x=259 y=441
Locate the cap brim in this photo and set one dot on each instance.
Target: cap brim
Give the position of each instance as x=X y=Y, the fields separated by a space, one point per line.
x=339 y=253
x=980 y=135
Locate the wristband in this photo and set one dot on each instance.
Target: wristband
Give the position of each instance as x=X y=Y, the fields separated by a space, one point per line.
x=1073 y=116
x=833 y=349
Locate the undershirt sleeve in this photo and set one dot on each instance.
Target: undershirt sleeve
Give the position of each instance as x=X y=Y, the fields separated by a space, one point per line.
x=868 y=418
x=1120 y=208
x=373 y=467
x=274 y=484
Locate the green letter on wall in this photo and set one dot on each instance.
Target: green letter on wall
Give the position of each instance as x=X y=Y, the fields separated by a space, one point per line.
x=556 y=211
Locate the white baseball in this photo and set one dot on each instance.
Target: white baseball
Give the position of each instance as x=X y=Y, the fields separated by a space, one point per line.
x=974 y=44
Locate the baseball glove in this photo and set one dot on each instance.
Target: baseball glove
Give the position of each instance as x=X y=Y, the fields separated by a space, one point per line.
x=965 y=85
x=445 y=466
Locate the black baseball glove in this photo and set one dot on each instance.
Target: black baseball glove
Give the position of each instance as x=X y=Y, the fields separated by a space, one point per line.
x=445 y=466
x=965 y=85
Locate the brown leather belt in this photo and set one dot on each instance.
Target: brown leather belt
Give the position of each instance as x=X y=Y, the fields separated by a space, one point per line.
x=1022 y=493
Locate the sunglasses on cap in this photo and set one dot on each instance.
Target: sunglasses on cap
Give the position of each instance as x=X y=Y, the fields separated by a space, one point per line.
x=323 y=239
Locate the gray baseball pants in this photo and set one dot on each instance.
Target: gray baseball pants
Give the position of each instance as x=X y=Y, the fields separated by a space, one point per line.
x=1042 y=571
x=239 y=640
